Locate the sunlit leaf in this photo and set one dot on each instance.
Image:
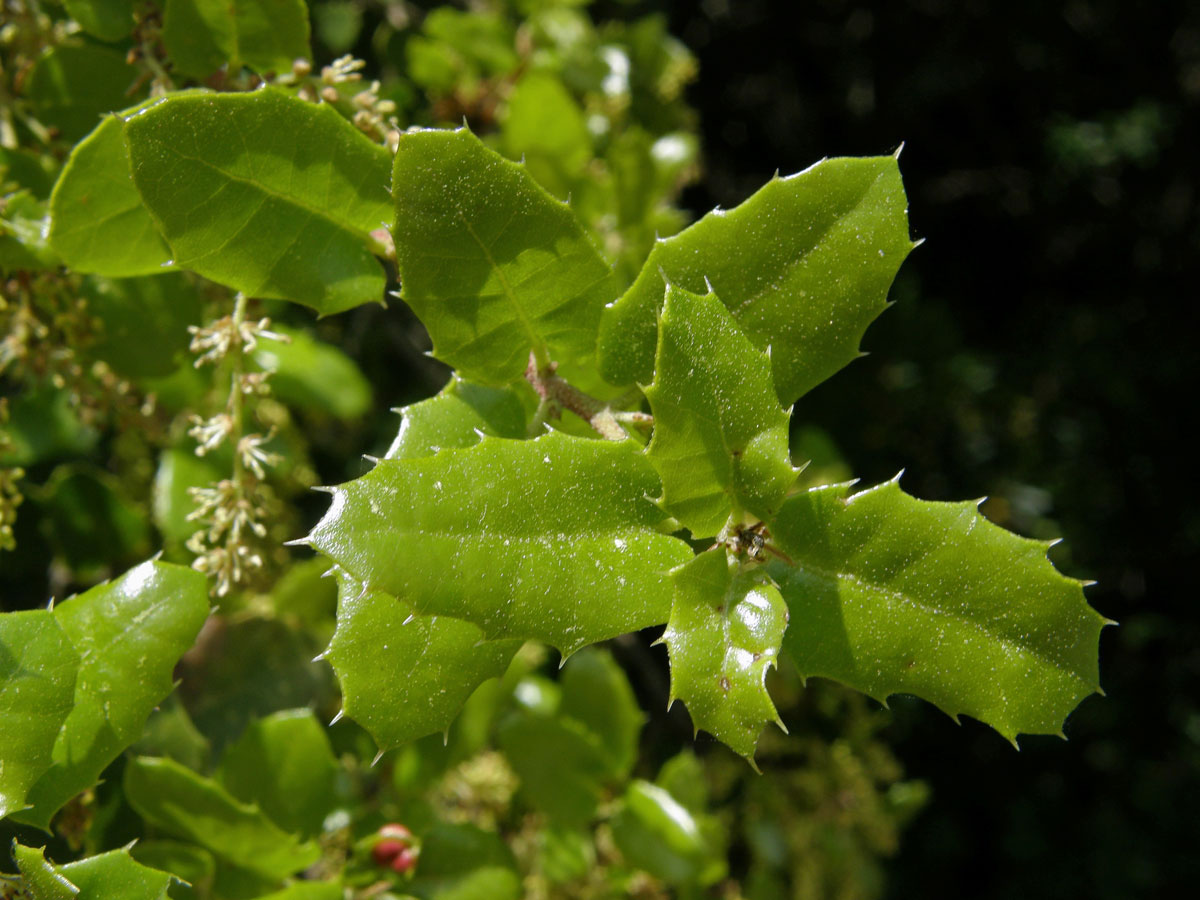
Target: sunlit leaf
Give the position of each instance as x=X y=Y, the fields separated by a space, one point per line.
x=457 y=417
x=116 y=876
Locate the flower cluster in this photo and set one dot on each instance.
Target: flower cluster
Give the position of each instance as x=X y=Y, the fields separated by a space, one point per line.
x=372 y=114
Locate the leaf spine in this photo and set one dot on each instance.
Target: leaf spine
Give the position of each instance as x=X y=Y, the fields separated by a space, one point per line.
x=378 y=757
x=341 y=712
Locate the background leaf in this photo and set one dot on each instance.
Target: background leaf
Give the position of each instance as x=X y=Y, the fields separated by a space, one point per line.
x=200 y=36
x=893 y=594
x=492 y=264
x=144 y=320
x=720 y=441
x=241 y=201
x=561 y=763
x=313 y=375
x=804 y=265
x=597 y=694
x=109 y=20
x=73 y=85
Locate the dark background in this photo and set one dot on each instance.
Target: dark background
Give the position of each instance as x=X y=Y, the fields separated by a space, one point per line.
x=1041 y=352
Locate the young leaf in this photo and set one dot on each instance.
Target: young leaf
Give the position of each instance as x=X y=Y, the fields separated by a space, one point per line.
x=893 y=594
x=404 y=676
x=129 y=634
x=725 y=630
x=200 y=36
x=241 y=201
x=98 y=223
x=720 y=439
x=180 y=802
x=493 y=265
x=37 y=691
x=552 y=539
x=804 y=266
x=456 y=417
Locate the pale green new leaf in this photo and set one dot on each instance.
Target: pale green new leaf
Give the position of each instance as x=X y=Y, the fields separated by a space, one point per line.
x=98 y=223
x=553 y=539
x=200 y=36
x=457 y=417
x=37 y=690
x=720 y=441
x=491 y=263
x=404 y=676
x=804 y=265
x=724 y=634
x=892 y=594
x=180 y=802
x=239 y=199
x=129 y=634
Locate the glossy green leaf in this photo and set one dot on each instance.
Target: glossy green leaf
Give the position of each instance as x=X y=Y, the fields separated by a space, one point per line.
x=892 y=594
x=73 y=85
x=597 y=694
x=720 y=439
x=180 y=802
x=129 y=634
x=98 y=223
x=187 y=862
x=37 y=690
x=457 y=49
x=41 y=876
x=455 y=418
x=285 y=765
x=804 y=265
x=552 y=539
x=241 y=201
x=404 y=676
x=492 y=264
x=109 y=20
x=116 y=876
x=562 y=765
x=658 y=834
x=724 y=634
x=144 y=322
x=310 y=374
x=200 y=36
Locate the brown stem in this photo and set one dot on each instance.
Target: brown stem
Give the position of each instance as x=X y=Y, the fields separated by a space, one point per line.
x=563 y=395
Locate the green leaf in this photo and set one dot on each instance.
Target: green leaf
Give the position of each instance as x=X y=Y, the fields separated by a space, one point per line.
x=561 y=764
x=129 y=634
x=37 y=690
x=285 y=765
x=241 y=201
x=109 y=20
x=404 y=676
x=725 y=630
x=23 y=223
x=177 y=800
x=179 y=470
x=720 y=440
x=596 y=693
x=552 y=539
x=311 y=374
x=98 y=223
x=145 y=322
x=308 y=890
x=804 y=266
x=187 y=862
x=200 y=36
x=73 y=85
x=41 y=876
x=463 y=862
x=659 y=835
x=492 y=264
x=544 y=126
x=893 y=594
x=116 y=876
x=92 y=524
x=44 y=425
x=455 y=418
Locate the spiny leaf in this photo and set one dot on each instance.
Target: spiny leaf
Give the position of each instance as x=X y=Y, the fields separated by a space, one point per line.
x=41 y=876
x=725 y=630
x=494 y=266
x=37 y=690
x=116 y=876
x=457 y=417
x=720 y=439
x=239 y=199
x=893 y=594
x=804 y=265
x=404 y=676
x=129 y=633
x=553 y=539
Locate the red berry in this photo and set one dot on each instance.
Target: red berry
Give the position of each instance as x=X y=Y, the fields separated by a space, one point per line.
x=395 y=830
x=404 y=861
x=386 y=851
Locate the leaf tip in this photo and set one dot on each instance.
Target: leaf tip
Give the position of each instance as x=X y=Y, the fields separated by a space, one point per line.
x=898 y=151
x=341 y=712
x=378 y=757
x=298 y=542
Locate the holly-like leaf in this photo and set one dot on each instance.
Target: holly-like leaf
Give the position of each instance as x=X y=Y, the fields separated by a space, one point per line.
x=40 y=875
x=892 y=594
x=720 y=441
x=552 y=539
x=725 y=630
x=129 y=634
x=37 y=691
x=404 y=676
x=240 y=200
x=180 y=802
x=98 y=222
x=200 y=36
x=457 y=417
x=116 y=876
x=492 y=264
x=804 y=265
